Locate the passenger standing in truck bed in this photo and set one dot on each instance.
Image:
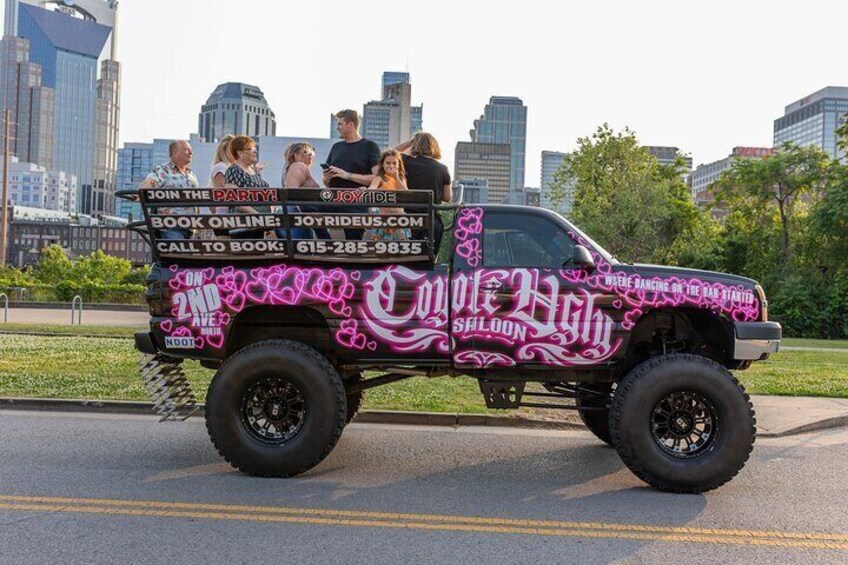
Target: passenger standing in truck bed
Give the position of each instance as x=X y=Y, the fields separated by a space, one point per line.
x=243 y=174
x=299 y=157
x=421 y=156
x=176 y=173
x=390 y=176
x=352 y=162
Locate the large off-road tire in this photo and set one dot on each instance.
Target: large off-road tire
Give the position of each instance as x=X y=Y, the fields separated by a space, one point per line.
x=275 y=408
x=354 y=399
x=597 y=421
x=682 y=423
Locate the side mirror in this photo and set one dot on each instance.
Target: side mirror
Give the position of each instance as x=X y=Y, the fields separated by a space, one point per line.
x=582 y=259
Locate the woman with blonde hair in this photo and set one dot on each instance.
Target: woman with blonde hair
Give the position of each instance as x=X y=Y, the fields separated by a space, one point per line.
x=299 y=157
x=421 y=156
x=223 y=159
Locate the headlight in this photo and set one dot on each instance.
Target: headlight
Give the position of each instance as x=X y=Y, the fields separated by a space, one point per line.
x=763 y=303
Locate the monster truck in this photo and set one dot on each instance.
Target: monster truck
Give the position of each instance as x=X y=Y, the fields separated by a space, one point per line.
x=297 y=330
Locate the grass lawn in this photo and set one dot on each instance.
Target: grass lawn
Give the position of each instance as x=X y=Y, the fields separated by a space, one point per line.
x=826 y=343
x=100 y=368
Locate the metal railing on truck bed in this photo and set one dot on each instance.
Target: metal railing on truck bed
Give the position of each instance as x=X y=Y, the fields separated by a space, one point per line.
x=238 y=235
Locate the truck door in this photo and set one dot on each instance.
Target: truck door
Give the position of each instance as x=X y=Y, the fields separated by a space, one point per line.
x=524 y=304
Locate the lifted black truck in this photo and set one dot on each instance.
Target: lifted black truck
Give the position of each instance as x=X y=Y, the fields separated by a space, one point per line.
x=519 y=296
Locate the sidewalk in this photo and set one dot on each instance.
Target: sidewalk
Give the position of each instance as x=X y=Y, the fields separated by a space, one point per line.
x=777 y=416
x=89 y=317
x=788 y=415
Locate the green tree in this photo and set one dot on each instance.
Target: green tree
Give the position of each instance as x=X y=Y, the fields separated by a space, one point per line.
x=784 y=182
x=53 y=266
x=12 y=277
x=842 y=132
x=625 y=199
x=101 y=268
x=137 y=276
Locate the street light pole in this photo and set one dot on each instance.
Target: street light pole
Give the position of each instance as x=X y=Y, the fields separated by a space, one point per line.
x=5 y=223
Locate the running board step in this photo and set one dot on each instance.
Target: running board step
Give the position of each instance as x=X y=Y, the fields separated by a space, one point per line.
x=510 y=395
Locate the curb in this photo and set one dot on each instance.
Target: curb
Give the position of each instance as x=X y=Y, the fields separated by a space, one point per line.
x=364 y=417
x=826 y=424
x=51 y=334
x=370 y=416
x=95 y=306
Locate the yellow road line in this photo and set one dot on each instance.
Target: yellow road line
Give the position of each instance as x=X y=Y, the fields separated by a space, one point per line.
x=423 y=517
x=422 y=522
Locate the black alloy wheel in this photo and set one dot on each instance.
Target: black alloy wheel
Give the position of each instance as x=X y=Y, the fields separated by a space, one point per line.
x=273 y=410
x=684 y=424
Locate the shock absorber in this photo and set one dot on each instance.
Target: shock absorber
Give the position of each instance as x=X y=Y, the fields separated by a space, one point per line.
x=168 y=387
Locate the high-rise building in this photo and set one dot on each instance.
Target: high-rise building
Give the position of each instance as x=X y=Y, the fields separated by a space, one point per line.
x=334 y=133
x=31 y=105
x=490 y=161
x=67 y=38
x=526 y=196
x=813 y=121
x=705 y=175
x=392 y=119
x=551 y=163
x=106 y=137
x=135 y=161
x=104 y=12
x=238 y=109
x=392 y=77
x=504 y=120
x=35 y=186
x=668 y=156
x=475 y=191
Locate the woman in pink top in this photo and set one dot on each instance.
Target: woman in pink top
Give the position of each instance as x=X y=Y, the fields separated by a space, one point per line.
x=299 y=157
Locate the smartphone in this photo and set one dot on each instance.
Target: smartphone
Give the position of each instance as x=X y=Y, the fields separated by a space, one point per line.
x=325 y=166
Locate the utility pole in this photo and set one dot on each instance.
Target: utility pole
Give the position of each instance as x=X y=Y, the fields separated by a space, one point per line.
x=4 y=229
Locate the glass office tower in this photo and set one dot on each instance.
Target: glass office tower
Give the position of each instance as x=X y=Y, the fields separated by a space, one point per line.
x=68 y=49
x=504 y=120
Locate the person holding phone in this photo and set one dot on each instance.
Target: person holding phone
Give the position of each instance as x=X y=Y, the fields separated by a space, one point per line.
x=352 y=162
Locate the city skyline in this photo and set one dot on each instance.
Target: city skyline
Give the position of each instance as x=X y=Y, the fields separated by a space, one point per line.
x=59 y=47
x=735 y=88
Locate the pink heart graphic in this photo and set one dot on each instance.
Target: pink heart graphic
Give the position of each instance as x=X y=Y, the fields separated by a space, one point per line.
x=257 y=292
x=216 y=341
x=181 y=331
x=235 y=301
x=166 y=326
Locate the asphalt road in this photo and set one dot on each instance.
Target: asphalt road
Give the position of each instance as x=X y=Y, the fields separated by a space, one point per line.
x=94 y=488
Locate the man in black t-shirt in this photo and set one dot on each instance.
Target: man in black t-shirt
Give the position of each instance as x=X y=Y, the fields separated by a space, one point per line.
x=353 y=162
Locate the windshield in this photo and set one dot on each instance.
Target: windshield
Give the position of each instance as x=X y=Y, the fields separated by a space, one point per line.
x=592 y=243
